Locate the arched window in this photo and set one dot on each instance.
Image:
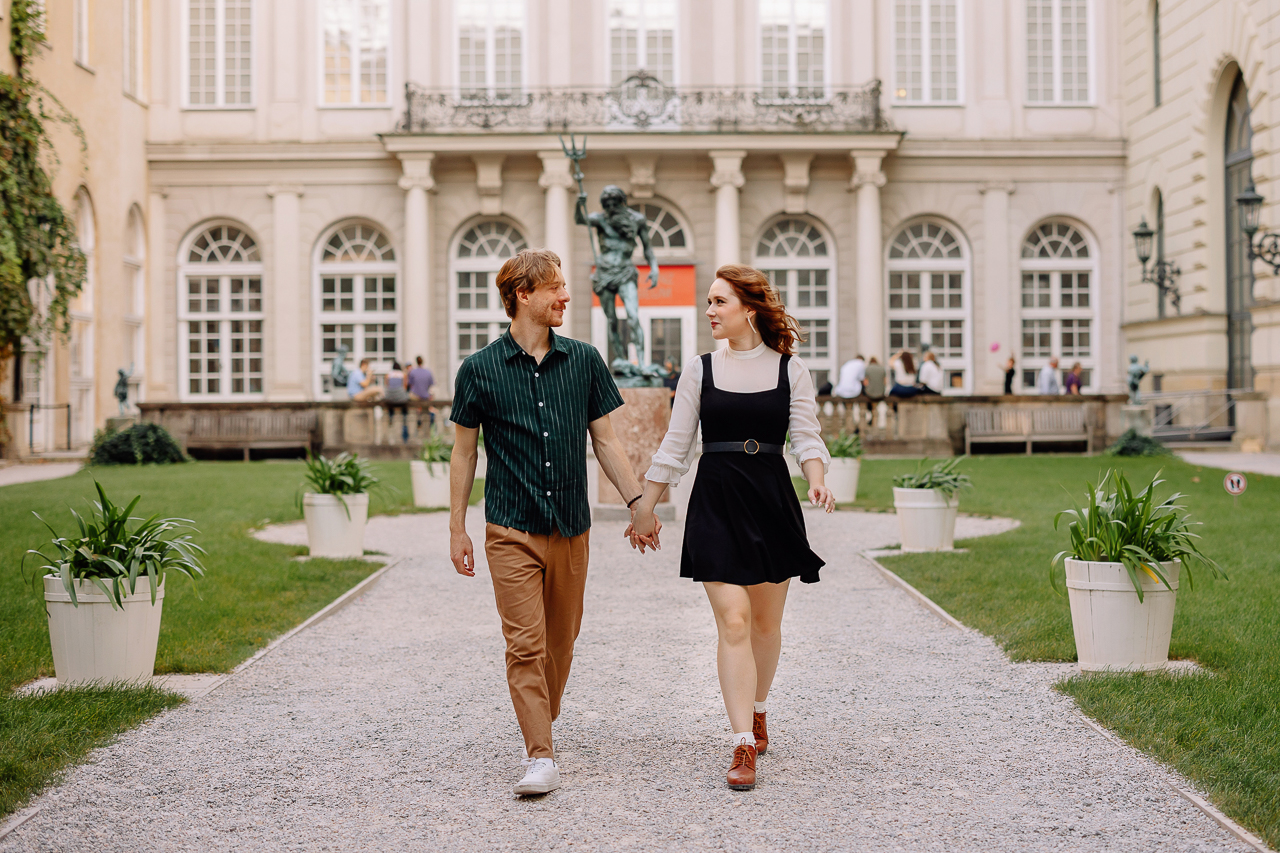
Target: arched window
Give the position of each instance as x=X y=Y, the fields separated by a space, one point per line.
x=1059 y=300
x=800 y=263
x=357 y=301
x=1238 y=163
x=667 y=234
x=220 y=315
x=477 y=316
x=928 y=304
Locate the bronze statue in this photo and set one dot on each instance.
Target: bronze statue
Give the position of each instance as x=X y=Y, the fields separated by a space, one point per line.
x=1136 y=372
x=338 y=372
x=122 y=389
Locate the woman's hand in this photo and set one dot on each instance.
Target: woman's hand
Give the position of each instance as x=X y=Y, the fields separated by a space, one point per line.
x=822 y=496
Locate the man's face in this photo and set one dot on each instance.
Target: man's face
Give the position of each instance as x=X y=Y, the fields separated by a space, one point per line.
x=546 y=304
x=612 y=204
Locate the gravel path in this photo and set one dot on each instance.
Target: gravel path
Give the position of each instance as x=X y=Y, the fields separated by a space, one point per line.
x=13 y=474
x=388 y=727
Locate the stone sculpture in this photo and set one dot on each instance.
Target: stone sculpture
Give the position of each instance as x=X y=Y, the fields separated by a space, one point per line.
x=1136 y=372
x=122 y=389
x=338 y=372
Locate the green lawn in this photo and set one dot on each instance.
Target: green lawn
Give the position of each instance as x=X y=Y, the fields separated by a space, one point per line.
x=1221 y=731
x=253 y=591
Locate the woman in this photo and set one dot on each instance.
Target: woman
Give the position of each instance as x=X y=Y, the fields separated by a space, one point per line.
x=930 y=375
x=397 y=396
x=904 y=375
x=1009 y=374
x=744 y=534
x=1073 y=381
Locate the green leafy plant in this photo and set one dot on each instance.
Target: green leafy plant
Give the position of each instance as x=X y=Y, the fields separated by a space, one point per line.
x=344 y=474
x=112 y=551
x=942 y=477
x=1133 y=443
x=846 y=445
x=1119 y=526
x=140 y=444
x=435 y=449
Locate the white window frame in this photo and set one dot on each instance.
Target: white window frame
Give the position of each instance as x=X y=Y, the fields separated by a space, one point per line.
x=926 y=314
x=1091 y=35
x=322 y=87
x=642 y=40
x=926 y=59
x=223 y=271
x=220 y=54
x=791 y=58
x=1055 y=313
x=495 y=314
x=80 y=33
x=685 y=254
x=491 y=91
x=792 y=264
x=359 y=317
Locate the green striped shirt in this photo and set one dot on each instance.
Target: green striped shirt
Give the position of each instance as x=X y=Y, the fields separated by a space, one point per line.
x=535 y=420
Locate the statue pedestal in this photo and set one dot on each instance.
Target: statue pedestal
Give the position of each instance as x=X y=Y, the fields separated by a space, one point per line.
x=1138 y=418
x=117 y=423
x=640 y=424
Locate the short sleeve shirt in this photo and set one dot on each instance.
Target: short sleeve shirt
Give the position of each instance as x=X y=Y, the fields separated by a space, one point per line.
x=535 y=418
x=354 y=378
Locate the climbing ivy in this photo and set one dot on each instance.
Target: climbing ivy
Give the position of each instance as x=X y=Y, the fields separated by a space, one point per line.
x=41 y=267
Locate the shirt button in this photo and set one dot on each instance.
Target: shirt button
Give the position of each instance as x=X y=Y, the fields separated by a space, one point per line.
x=545 y=434
x=548 y=464
x=548 y=494
x=539 y=403
x=536 y=375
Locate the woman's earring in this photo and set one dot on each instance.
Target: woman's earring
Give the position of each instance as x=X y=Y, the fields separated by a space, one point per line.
x=752 y=325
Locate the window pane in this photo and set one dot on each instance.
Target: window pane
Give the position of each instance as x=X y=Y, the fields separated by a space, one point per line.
x=1075 y=51
x=237 y=61
x=202 y=52
x=339 y=50
x=1040 y=50
x=1075 y=290
x=908 y=50
x=1036 y=290
x=1036 y=338
x=664 y=342
x=817 y=334
x=1076 y=339
x=943 y=48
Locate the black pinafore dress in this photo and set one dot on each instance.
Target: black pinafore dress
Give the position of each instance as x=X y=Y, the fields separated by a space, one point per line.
x=744 y=524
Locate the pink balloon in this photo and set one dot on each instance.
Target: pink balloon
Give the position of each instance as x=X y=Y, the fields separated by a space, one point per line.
x=995 y=346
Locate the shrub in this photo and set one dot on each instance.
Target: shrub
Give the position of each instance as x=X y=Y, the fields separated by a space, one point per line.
x=846 y=445
x=140 y=444
x=1133 y=443
x=942 y=477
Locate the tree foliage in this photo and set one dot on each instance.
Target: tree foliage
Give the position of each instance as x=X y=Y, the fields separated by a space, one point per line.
x=41 y=267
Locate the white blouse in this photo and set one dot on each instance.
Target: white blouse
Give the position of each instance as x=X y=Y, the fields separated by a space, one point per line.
x=740 y=372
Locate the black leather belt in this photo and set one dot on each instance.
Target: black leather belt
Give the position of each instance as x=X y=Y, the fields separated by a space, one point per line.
x=750 y=447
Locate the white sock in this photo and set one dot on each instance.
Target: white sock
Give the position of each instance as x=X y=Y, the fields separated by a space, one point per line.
x=744 y=737
x=759 y=707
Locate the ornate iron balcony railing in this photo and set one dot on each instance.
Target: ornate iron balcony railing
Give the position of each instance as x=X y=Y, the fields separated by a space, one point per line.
x=643 y=103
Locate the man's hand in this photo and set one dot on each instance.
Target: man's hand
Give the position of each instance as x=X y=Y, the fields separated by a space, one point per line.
x=653 y=280
x=646 y=533
x=462 y=553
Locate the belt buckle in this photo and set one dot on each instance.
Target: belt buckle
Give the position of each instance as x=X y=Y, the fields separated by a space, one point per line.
x=746 y=447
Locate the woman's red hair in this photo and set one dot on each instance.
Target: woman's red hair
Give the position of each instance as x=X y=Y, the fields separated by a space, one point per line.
x=779 y=329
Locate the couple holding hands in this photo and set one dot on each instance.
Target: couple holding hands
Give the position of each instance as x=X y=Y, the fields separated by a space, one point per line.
x=537 y=395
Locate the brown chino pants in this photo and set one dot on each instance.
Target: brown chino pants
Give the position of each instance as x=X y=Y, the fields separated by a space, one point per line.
x=538 y=582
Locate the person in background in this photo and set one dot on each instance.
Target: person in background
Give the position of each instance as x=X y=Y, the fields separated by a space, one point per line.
x=930 y=375
x=903 y=368
x=873 y=386
x=1009 y=374
x=673 y=378
x=396 y=397
x=1047 y=381
x=1073 y=380
x=420 y=382
x=360 y=387
x=852 y=372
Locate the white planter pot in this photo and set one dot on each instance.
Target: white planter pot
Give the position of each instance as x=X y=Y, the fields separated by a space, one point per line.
x=334 y=530
x=430 y=483
x=95 y=642
x=842 y=479
x=1115 y=631
x=926 y=519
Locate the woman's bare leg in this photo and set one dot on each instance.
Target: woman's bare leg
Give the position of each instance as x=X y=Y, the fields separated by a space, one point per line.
x=734 y=660
x=767 y=603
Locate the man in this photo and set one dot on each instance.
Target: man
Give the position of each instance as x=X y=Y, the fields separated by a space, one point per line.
x=421 y=380
x=852 y=372
x=1047 y=381
x=619 y=227
x=537 y=395
x=360 y=385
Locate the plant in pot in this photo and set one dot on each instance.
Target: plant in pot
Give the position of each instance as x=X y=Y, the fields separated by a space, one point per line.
x=846 y=461
x=430 y=472
x=926 y=502
x=336 y=506
x=104 y=590
x=1128 y=553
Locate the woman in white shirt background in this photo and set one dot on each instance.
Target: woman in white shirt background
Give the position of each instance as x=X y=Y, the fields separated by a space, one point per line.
x=930 y=375
x=744 y=536
x=903 y=369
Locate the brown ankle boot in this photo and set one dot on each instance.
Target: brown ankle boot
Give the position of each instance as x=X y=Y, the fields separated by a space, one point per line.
x=761 y=733
x=742 y=773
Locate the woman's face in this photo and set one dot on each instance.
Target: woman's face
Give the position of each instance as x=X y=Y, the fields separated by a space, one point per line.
x=726 y=312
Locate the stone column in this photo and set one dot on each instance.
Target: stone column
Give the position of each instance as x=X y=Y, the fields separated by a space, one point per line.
x=997 y=319
x=866 y=184
x=727 y=179
x=161 y=368
x=556 y=181
x=415 y=272
x=288 y=299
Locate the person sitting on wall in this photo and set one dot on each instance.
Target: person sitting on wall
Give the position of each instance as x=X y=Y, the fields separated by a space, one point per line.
x=1075 y=379
x=421 y=382
x=852 y=372
x=360 y=387
x=903 y=368
x=930 y=375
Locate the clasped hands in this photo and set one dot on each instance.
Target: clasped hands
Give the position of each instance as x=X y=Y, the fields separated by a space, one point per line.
x=643 y=531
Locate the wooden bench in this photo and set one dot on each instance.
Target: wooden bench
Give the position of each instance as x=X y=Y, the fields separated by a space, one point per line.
x=252 y=430
x=1051 y=424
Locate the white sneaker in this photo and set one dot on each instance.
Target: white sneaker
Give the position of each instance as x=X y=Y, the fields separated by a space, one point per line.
x=542 y=777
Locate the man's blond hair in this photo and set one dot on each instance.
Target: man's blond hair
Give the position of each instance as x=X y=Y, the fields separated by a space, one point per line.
x=527 y=271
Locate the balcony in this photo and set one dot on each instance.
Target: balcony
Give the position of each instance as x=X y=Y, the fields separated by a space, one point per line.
x=642 y=103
